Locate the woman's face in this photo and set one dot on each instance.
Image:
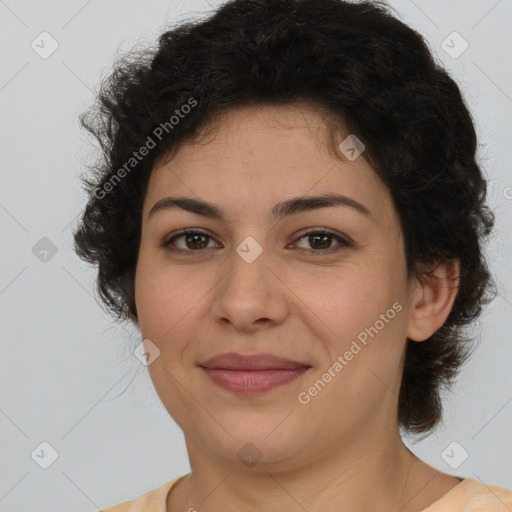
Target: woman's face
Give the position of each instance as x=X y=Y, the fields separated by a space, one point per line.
x=257 y=283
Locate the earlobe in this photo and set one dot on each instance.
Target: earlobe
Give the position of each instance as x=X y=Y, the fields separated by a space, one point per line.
x=433 y=300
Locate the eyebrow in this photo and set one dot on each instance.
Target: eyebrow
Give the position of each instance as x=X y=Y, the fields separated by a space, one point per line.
x=278 y=211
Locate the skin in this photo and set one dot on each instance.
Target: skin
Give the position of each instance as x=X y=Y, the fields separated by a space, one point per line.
x=292 y=303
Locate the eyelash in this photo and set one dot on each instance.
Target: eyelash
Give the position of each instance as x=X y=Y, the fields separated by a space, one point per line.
x=320 y=252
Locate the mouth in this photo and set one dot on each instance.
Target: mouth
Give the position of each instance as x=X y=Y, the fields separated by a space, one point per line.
x=251 y=374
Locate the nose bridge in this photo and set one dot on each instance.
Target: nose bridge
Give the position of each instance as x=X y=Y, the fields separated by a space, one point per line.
x=249 y=264
x=248 y=293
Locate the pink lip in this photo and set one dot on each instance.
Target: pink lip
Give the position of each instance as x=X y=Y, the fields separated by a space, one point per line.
x=251 y=374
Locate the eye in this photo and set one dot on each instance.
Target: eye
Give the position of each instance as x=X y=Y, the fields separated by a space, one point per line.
x=321 y=240
x=195 y=241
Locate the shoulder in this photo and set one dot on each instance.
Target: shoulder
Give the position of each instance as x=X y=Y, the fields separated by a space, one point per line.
x=152 y=501
x=474 y=496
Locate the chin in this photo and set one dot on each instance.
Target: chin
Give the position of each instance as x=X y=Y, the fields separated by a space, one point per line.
x=267 y=443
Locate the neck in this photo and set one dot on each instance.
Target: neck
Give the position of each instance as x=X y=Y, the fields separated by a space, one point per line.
x=382 y=476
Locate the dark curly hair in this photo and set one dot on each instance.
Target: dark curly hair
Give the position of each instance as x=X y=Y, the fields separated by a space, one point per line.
x=369 y=73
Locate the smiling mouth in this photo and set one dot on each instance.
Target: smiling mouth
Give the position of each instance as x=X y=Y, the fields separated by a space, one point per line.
x=252 y=373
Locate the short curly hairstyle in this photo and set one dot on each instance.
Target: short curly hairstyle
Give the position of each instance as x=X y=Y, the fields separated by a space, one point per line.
x=373 y=75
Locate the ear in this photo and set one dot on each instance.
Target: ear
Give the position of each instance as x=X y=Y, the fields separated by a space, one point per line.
x=433 y=299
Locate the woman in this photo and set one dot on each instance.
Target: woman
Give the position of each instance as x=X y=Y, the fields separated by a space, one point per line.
x=290 y=211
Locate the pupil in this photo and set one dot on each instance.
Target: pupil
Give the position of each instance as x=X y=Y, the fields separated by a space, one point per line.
x=324 y=246
x=191 y=238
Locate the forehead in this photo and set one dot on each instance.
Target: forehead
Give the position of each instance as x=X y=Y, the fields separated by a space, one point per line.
x=254 y=157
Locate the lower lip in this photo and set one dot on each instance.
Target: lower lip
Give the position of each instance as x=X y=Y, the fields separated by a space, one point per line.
x=251 y=382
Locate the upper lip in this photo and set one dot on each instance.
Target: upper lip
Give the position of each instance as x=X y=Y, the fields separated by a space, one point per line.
x=263 y=361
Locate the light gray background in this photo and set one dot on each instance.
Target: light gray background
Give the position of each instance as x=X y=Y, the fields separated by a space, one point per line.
x=67 y=373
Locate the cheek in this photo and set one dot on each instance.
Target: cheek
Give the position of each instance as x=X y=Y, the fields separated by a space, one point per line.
x=361 y=305
x=173 y=306
x=164 y=294
x=347 y=298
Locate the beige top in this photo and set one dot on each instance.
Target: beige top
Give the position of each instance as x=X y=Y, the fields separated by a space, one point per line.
x=468 y=496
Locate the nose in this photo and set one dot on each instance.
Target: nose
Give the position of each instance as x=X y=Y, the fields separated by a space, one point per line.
x=251 y=296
